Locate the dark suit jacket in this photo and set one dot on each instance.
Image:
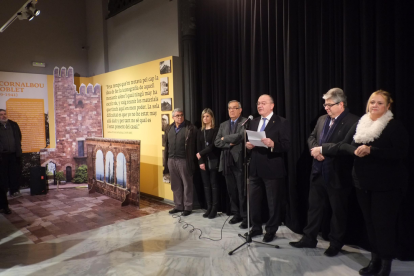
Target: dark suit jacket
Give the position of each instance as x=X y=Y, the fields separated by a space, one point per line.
x=236 y=139
x=340 y=175
x=17 y=138
x=269 y=163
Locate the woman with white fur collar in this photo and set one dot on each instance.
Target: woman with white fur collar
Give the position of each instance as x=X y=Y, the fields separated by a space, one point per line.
x=380 y=144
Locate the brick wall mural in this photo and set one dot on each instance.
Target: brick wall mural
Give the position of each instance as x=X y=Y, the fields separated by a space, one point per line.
x=114 y=168
x=78 y=115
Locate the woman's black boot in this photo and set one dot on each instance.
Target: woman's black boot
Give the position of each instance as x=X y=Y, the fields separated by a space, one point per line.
x=373 y=267
x=385 y=268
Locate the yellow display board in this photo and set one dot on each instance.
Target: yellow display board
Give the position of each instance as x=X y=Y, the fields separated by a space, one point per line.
x=134 y=102
x=30 y=113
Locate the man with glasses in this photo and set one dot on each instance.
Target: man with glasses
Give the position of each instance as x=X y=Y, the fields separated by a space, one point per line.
x=267 y=168
x=230 y=139
x=180 y=161
x=331 y=180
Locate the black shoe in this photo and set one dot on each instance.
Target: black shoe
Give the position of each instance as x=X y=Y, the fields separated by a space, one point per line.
x=243 y=225
x=235 y=220
x=185 y=213
x=254 y=233
x=268 y=237
x=213 y=213
x=173 y=211
x=303 y=244
x=373 y=267
x=207 y=213
x=331 y=251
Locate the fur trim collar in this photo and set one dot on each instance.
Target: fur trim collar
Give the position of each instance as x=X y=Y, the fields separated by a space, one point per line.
x=369 y=130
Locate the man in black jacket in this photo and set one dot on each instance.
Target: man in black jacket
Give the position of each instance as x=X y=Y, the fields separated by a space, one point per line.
x=331 y=179
x=267 y=168
x=180 y=160
x=10 y=151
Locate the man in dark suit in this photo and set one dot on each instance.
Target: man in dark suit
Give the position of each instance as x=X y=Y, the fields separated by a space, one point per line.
x=331 y=179
x=10 y=154
x=230 y=139
x=267 y=168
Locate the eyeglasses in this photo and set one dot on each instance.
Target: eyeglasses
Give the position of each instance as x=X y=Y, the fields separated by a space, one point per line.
x=233 y=108
x=329 y=105
x=179 y=116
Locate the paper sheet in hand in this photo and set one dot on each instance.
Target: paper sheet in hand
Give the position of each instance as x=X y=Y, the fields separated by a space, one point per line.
x=255 y=138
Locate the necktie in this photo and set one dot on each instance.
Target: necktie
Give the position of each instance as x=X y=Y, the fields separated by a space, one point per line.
x=232 y=126
x=264 y=124
x=332 y=122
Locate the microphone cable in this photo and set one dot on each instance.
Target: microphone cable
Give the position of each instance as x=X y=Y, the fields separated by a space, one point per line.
x=186 y=225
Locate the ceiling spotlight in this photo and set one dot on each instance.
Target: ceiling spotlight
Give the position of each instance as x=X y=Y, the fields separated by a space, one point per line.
x=27 y=11
x=34 y=10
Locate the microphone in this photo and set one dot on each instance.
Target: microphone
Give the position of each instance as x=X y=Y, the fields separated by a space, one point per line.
x=248 y=119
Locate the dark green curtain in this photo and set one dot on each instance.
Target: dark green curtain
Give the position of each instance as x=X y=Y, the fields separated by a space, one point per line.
x=296 y=50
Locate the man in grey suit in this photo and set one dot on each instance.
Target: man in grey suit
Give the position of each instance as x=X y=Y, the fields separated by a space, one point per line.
x=230 y=139
x=331 y=178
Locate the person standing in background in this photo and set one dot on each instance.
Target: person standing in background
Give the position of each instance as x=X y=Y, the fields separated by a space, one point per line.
x=208 y=160
x=10 y=152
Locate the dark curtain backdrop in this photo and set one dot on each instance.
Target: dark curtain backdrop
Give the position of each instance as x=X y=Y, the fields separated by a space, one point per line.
x=296 y=50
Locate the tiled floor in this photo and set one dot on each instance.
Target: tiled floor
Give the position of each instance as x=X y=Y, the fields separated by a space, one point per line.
x=68 y=211
x=69 y=232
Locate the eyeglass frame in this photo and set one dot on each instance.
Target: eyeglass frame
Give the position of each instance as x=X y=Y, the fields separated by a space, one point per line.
x=233 y=108
x=179 y=116
x=330 y=105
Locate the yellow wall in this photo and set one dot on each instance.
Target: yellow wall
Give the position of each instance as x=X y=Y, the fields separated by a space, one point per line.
x=149 y=133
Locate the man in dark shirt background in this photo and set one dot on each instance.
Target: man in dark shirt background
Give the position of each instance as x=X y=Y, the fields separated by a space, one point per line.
x=10 y=151
x=180 y=161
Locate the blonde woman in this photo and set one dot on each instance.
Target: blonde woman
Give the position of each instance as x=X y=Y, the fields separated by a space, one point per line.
x=380 y=143
x=208 y=160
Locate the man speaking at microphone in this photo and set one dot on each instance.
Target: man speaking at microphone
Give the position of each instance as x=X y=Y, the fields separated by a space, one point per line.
x=267 y=169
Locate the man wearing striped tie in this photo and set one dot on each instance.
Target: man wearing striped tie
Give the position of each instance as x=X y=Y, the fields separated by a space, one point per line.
x=267 y=168
x=331 y=180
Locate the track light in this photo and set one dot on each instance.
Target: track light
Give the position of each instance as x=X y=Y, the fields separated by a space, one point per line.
x=34 y=10
x=27 y=11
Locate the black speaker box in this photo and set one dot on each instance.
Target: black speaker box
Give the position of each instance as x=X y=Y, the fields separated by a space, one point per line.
x=38 y=181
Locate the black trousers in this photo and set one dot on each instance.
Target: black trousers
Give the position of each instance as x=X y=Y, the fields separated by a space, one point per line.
x=235 y=188
x=321 y=194
x=380 y=210
x=273 y=190
x=210 y=184
x=9 y=171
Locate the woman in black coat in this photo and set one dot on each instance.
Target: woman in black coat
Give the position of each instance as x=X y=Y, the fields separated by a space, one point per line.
x=380 y=143
x=208 y=160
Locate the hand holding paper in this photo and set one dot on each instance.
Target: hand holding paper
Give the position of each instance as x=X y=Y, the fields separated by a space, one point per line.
x=255 y=138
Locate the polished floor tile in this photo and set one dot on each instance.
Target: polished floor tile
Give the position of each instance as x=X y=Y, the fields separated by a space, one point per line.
x=160 y=244
x=69 y=211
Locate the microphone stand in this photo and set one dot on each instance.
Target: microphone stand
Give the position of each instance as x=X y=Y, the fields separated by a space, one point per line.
x=246 y=163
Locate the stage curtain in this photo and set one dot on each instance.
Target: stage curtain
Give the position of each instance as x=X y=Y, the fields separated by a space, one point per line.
x=296 y=50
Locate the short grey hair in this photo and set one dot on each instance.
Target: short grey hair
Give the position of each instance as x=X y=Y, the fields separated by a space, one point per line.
x=234 y=101
x=271 y=98
x=177 y=110
x=336 y=94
